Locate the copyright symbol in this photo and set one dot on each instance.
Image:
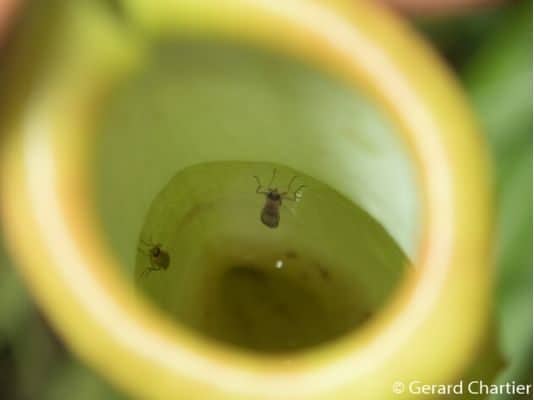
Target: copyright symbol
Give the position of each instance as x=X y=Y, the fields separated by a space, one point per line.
x=398 y=387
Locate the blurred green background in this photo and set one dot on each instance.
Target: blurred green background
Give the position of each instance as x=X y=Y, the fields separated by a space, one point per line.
x=491 y=52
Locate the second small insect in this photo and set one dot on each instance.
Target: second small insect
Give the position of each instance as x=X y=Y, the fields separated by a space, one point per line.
x=270 y=214
x=159 y=258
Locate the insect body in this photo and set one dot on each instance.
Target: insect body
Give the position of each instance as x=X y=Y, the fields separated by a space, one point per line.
x=159 y=258
x=270 y=214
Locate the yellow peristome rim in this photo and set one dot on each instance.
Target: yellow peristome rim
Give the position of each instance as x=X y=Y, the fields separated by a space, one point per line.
x=431 y=329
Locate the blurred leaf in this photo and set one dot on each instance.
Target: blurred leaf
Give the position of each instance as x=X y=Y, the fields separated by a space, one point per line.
x=33 y=362
x=489 y=363
x=458 y=36
x=36 y=355
x=514 y=292
x=14 y=305
x=499 y=80
x=73 y=381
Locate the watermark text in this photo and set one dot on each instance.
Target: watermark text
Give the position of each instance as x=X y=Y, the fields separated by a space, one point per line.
x=462 y=387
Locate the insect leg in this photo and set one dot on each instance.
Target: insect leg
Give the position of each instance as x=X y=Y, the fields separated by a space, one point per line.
x=290 y=184
x=141 y=250
x=296 y=194
x=149 y=269
x=259 y=189
x=148 y=244
x=291 y=211
x=144 y=272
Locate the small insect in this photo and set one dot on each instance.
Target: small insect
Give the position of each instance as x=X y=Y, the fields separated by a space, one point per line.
x=159 y=258
x=270 y=214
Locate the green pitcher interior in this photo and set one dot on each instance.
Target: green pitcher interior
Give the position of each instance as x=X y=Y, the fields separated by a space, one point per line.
x=188 y=149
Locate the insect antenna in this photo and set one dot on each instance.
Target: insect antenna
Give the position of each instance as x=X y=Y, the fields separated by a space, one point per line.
x=272 y=179
x=258 y=189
